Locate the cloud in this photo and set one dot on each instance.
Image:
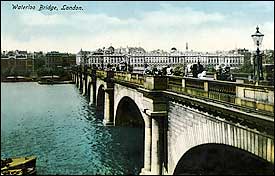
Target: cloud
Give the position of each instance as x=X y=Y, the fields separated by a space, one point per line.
x=36 y=18
x=167 y=27
x=173 y=16
x=265 y=5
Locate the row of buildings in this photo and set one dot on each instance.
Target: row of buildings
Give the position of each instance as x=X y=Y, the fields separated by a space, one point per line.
x=25 y=63
x=138 y=57
x=16 y=62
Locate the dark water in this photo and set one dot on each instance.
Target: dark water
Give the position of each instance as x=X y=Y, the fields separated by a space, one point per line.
x=55 y=123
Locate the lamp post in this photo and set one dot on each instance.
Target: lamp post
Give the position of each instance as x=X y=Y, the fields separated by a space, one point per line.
x=258 y=71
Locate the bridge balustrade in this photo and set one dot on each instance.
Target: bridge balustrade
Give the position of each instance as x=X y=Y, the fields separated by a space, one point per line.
x=128 y=77
x=137 y=78
x=194 y=83
x=174 y=83
x=222 y=86
x=246 y=95
x=234 y=93
x=174 y=80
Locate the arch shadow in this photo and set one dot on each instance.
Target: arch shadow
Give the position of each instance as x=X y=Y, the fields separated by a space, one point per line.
x=89 y=90
x=100 y=103
x=216 y=159
x=130 y=126
x=128 y=114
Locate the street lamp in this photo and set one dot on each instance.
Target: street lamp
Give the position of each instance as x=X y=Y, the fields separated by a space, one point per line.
x=258 y=38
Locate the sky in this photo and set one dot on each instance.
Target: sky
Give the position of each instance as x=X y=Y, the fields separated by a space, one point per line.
x=204 y=25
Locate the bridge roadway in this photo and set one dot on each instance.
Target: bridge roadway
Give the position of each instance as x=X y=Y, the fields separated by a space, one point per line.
x=190 y=125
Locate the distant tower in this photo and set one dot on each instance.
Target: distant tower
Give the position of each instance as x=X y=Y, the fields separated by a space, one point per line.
x=186 y=46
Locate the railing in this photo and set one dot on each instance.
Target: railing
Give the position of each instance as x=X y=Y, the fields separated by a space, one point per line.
x=222 y=87
x=194 y=83
x=229 y=93
x=174 y=80
x=128 y=77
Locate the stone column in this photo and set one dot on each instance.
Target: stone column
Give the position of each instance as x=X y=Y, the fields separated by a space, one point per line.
x=147 y=145
x=109 y=107
x=80 y=81
x=93 y=87
x=183 y=83
x=84 y=90
x=76 y=79
x=94 y=92
x=157 y=145
x=91 y=98
x=206 y=88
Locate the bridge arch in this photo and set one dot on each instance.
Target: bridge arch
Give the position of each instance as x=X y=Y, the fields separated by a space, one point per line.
x=194 y=128
x=222 y=159
x=128 y=113
x=100 y=102
x=129 y=118
x=121 y=92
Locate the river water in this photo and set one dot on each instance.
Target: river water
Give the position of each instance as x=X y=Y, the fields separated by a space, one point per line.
x=56 y=124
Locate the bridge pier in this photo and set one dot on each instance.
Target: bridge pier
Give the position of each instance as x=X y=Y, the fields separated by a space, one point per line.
x=93 y=88
x=109 y=107
x=157 y=143
x=109 y=100
x=84 y=90
x=148 y=144
x=76 y=79
x=80 y=82
x=92 y=94
x=154 y=143
x=72 y=76
x=154 y=118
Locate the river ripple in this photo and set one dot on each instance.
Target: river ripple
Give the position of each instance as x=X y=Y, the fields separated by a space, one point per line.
x=55 y=123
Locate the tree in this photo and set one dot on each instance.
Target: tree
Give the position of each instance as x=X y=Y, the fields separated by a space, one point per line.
x=210 y=68
x=247 y=67
x=39 y=63
x=178 y=71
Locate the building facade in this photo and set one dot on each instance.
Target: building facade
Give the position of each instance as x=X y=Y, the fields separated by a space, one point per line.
x=55 y=59
x=17 y=63
x=137 y=59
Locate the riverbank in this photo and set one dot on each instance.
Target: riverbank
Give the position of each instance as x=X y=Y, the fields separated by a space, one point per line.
x=55 y=82
x=40 y=80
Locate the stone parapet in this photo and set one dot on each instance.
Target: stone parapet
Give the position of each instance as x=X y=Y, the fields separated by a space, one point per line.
x=155 y=83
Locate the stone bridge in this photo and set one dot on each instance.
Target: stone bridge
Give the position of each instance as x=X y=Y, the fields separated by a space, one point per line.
x=191 y=126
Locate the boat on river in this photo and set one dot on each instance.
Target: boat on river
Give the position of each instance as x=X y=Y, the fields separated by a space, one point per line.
x=18 y=166
x=53 y=80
